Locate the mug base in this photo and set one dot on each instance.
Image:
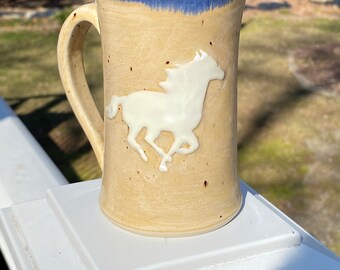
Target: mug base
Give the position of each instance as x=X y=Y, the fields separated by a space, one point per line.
x=177 y=233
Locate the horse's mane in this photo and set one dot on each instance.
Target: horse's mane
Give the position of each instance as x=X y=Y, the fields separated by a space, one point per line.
x=177 y=79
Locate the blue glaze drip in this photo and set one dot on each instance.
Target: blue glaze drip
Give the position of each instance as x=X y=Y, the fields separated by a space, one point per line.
x=185 y=6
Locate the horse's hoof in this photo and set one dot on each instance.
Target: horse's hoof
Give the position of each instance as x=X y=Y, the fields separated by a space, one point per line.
x=163 y=168
x=184 y=151
x=181 y=151
x=143 y=156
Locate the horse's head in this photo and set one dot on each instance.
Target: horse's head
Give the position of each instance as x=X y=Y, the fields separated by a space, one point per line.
x=203 y=68
x=209 y=65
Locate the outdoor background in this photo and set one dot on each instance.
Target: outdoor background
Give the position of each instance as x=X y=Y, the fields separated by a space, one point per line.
x=288 y=100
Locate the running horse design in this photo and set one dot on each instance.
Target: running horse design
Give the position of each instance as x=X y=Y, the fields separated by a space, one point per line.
x=178 y=110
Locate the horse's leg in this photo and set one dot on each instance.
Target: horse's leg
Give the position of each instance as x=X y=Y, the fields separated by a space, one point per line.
x=190 y=139
x=150 y=137
x=133 y=132
x=167 y=157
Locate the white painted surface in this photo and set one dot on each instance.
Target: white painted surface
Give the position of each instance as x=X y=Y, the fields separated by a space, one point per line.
x=296 y=258
x=11 y=243
x=102 y=245
x=35 y=238
x=43 y=237
x=35 y=232
x=25 y=169
x=307 y=239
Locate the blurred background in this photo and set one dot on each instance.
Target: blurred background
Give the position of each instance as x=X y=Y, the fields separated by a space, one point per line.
x=288 y=100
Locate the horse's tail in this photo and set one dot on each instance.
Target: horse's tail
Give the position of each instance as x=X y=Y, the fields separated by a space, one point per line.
x=113 y=106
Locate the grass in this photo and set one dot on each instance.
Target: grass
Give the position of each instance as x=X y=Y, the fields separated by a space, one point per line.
x=15 y=22
x=327 y=27
x=62 y=15
x=288 y=137
x=30 y=82
x=284 y=129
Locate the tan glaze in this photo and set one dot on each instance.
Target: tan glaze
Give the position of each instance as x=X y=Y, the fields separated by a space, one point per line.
x=177 y=110
x=200 y=192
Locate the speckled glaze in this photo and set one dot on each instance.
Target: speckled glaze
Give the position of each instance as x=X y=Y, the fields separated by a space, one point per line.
x=141 y=41
x=177 y=110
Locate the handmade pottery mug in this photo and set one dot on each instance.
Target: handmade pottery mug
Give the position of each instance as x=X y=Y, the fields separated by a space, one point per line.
x=167 y=146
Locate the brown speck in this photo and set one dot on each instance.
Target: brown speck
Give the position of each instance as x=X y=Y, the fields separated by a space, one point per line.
x=74 y=15
x=205 y=183
x=144 y=152
x=118 y=108
x=127 y=147
x=130 y=68
x=167 y=62
x=213 y=125
x=108 y=60
x=210 y=43
x=78 y=25
x=68 y=92
x=220 y=216
x=144 y=89
x=202 y=22
x=207 y=163
x=137 y=172
x=129 y=178
x=222 y=183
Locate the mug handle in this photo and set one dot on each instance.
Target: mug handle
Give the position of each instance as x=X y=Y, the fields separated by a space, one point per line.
x=71 y=68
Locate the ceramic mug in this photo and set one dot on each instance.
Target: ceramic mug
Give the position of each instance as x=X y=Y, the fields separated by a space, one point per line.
x=167 y=145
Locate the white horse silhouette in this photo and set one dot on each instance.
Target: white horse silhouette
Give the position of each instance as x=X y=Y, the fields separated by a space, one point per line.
x=178 y=110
